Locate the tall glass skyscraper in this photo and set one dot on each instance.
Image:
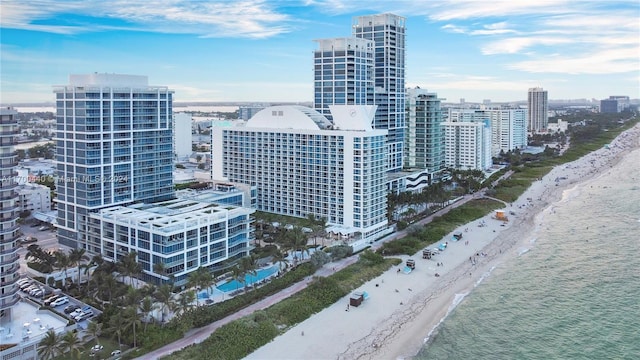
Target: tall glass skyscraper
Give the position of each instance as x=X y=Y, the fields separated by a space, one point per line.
x=388 y=33
x=538 y=104
x=343 y=73
x=9 y=258
x=113 y=147
x=424 y=137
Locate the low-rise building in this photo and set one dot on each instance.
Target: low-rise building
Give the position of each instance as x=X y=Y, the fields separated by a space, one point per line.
x=180 y=234
x=33 y=197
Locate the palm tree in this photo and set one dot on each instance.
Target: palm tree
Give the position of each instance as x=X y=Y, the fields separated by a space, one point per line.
x=238 y=275
x=36 y=254
x=248 y=266
x=49 y=348
x=200 y=279
x=116 y=324
x=129 y=266
x=297 y=242
x=160 y=269
x=133 y=296
x=62 y=263
x=132 y=320
x=146 y=307
x=94 y=329
x=164 y=296
x=107 y=284
x=185 y=302
x=279 y=257
x=76 y=257
x=71 y=344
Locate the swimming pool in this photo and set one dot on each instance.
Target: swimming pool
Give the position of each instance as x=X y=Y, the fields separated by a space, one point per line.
x=249 y=279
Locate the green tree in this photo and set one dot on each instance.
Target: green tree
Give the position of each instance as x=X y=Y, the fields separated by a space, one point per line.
x=116 y=327
x=71 y=344
x=128 y=266
x=63 y=262
x=94 y=330
x=49 y=346
x=146 y=308
x=185 y=302
x=132 y=322
x=76 y=258
x=164 y=296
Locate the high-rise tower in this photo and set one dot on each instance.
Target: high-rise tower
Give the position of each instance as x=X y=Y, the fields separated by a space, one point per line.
x=538 y=104
x=113 y=147
x=424 y=137
x=9 y=257
x=388 y=33
x=343 y=73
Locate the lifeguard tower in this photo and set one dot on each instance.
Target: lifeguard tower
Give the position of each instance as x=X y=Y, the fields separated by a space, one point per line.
x=500 y=215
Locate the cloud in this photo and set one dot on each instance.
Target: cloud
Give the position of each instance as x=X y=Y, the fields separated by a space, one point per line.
x=247 y=18
x=599 y=61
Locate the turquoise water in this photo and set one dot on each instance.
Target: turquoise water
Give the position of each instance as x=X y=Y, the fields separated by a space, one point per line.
x=249 y=279
x=574 y=295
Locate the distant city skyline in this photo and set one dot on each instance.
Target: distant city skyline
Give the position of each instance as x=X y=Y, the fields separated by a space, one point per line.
x=262 y=51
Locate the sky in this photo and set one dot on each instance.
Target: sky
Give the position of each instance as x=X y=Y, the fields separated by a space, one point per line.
x=262 y=50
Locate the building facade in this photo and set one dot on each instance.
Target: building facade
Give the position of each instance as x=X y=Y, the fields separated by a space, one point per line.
x=508 y=129
x=33 y=197
x=9 y=258
x=467 y=141
x=182 y=142
x=424 y=136
x=113 y=147
x=388 y=33
x=343 y=73
x=538 y=106
x=180 y=234
x=302 y=164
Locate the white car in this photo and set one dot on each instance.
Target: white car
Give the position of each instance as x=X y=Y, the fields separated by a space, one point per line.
x=84 y=315
x=60 y=301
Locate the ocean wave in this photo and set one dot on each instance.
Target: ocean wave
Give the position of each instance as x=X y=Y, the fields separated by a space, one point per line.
x=456 y=301
x=484 y=276
x=523 y=251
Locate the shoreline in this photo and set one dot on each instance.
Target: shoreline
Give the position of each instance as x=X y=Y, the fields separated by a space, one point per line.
x=391 y=323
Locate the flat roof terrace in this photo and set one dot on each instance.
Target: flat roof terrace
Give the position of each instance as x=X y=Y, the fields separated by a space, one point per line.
x=29 y=324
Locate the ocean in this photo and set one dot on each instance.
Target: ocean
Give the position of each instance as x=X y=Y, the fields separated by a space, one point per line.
x=571 y=292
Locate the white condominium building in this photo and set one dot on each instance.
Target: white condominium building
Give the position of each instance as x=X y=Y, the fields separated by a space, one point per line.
x=302 y=165
x=467 y=142
x=180 y=234
x=508 y=129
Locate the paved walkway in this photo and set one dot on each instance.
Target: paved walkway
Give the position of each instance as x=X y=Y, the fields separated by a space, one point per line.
x=195 y=336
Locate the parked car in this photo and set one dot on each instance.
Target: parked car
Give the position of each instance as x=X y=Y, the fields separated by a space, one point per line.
x=79 y=311
x=84 y=315
x=28 y=240
x=23 y=281
x=59 y=301
x=34 y=290
x=70 y=309
x=43 y=228
x=26 y=285
x=116 y=352
x=51 y=299
x=29 y=288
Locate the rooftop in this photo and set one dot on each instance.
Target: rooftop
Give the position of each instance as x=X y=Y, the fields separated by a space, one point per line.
x=29 y=324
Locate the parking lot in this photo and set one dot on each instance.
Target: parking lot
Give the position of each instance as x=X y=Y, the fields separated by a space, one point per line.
x=61 y=305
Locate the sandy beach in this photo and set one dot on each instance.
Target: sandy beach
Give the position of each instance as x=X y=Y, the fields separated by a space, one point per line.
x=394 y=321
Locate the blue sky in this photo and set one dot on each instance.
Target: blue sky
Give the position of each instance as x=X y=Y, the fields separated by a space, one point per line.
x=261 y=50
